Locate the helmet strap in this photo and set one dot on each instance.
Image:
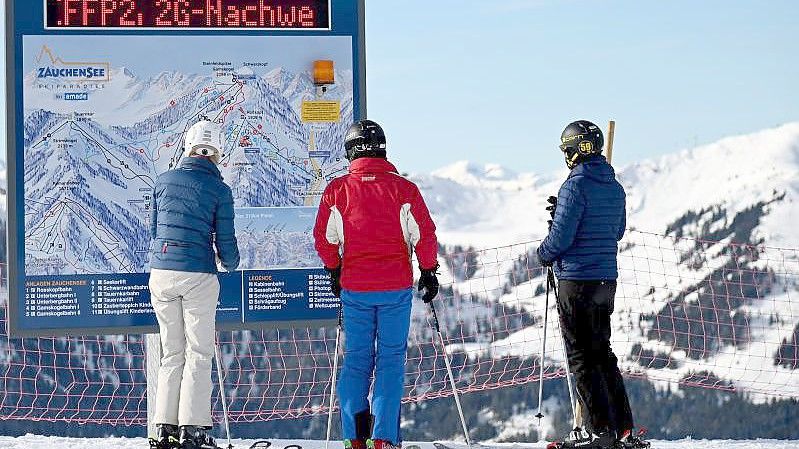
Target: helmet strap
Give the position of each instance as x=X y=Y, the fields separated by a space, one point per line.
x=573 y=157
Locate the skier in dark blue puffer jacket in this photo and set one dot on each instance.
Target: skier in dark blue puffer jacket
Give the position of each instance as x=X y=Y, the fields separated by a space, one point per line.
x=588 y=220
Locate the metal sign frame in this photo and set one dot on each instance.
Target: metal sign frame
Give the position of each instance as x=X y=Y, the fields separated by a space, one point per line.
x=339 y=12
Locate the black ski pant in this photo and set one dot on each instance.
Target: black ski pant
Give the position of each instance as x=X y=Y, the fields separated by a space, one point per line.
x=585 y=308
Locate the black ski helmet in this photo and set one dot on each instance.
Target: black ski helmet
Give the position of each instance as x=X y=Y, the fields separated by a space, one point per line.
x=579 y=140
x=365 y=139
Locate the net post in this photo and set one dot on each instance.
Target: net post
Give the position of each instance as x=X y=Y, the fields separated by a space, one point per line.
x=611 y=137
x=152 y=352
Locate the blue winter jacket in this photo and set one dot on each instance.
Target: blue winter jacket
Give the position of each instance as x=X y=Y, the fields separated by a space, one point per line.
x=192 y=211
x=589 y=221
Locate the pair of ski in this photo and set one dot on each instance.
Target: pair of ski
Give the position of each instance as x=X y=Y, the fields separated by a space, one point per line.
x=587 y=441
x=636 y=442
x=261 y=444
x=265 y=444
x=461 y=446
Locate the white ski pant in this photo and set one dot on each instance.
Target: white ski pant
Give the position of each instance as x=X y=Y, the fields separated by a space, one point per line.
x=185 y=305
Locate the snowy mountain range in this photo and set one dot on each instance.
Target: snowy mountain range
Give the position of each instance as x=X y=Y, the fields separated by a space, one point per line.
x=486 y=206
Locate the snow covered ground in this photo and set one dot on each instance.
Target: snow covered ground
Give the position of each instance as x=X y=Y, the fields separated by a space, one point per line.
x=40 y=442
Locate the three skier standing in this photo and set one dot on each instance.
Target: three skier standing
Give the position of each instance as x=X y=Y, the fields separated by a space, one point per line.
x=192 y=225
x=369 y=224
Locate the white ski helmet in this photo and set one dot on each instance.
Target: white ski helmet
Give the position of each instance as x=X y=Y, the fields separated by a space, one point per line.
x=204 y=138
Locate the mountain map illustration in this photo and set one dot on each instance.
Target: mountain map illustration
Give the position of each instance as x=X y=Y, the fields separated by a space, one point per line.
x=100 y=125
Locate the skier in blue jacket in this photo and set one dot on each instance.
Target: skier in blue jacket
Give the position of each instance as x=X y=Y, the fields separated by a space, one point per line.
x=191 y=227
x=588 y=220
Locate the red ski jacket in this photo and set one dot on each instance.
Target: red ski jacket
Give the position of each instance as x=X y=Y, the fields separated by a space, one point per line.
x=370 y=221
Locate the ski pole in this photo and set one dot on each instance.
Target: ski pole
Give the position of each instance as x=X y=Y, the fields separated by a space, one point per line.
x=572 y=400
x=540 y=415
x=222 y=391
x=333 y=380
x=449 y=373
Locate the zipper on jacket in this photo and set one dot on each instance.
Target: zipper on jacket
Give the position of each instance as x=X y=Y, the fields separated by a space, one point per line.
x=166 y=245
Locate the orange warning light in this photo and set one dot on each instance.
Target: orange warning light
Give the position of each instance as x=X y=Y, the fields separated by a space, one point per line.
x=323 y=73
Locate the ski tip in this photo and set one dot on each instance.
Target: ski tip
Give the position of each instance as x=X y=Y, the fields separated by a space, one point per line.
x=262 y=444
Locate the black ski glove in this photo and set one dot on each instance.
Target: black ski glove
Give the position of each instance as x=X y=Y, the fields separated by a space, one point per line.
x=544 y=263
x=335 y=280
x=553 y=205
x=428 y=282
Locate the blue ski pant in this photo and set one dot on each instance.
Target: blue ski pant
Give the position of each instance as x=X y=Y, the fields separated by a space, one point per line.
x=376 y=326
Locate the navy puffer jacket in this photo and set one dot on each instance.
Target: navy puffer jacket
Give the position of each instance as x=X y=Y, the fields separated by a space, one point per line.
x=192 y=211
x=589 y=221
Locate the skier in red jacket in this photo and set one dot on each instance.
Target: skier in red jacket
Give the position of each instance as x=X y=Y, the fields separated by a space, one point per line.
x=370 y=222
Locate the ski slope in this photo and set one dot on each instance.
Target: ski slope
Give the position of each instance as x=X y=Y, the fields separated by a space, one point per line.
x=41 y=442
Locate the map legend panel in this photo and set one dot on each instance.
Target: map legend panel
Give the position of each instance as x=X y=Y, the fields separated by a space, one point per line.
x=87 y=300
x=301 y=294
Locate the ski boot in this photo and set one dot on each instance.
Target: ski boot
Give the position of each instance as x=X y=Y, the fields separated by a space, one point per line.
x=166 y=437
x=196 y=437
x=382 y=444
x=579 y=439
x=630 y=440
x=355 y=444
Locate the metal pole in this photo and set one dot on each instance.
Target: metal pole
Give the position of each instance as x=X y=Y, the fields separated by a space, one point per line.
x=222 y=391
x=153 y=360
x=455 y=393
x=540 y=415
x=333 y=381
x=572 y=400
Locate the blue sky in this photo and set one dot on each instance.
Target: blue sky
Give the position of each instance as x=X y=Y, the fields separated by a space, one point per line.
x=497 y=80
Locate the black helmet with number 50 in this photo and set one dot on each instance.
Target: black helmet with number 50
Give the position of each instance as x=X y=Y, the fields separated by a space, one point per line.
x=579 y=140
x=365 y=139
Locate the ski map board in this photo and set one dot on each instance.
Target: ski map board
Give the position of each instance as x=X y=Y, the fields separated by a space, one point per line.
x=100 y=95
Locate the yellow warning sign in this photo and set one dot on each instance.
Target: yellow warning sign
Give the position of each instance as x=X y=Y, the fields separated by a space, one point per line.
x=321 y=111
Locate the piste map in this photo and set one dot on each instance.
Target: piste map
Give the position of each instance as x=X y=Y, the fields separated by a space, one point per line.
x=98 y=131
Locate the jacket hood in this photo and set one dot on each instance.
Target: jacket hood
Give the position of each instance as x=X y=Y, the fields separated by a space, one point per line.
x=596 y=168
x=372 y=165
x=200 y=164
